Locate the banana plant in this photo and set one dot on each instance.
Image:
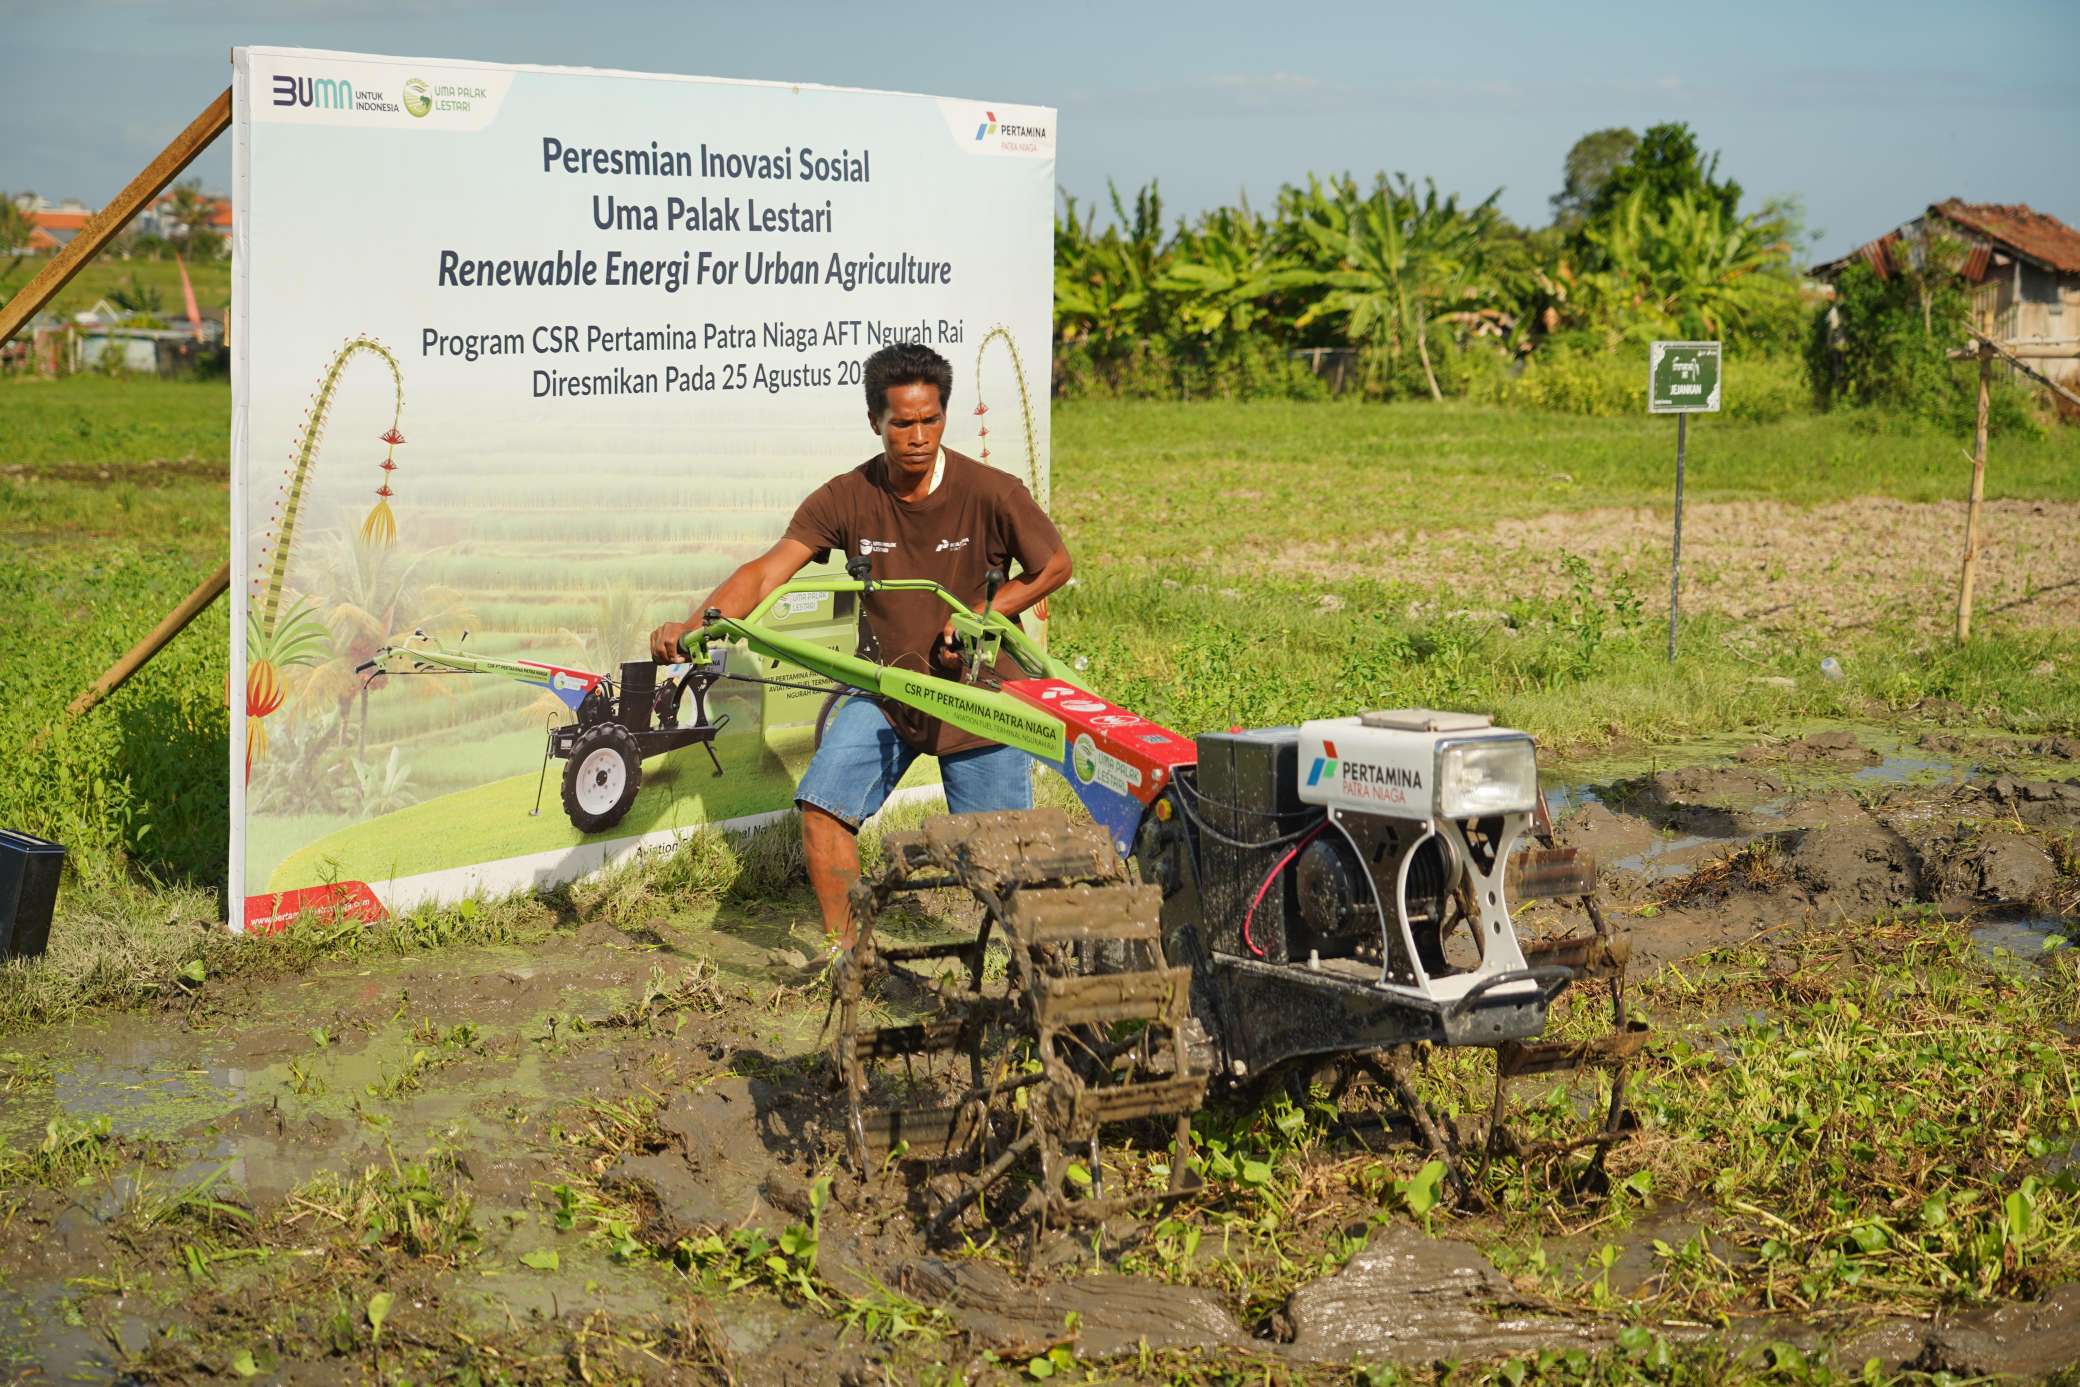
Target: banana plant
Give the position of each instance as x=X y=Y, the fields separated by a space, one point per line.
x=1403 y=262
x=1226 y=272
x=1686 y=266
x=1104 y=282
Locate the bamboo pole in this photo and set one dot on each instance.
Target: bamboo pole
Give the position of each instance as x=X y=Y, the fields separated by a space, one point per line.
x=174 y=622
x=1971 y=520
x=101 y=228
x=2017 y=360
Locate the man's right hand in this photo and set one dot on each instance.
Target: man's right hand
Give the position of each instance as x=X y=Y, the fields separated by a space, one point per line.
x=664 y=641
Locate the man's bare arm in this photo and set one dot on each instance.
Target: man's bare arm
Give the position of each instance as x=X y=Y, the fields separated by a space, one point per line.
x=736 y=595
x=1026 y=590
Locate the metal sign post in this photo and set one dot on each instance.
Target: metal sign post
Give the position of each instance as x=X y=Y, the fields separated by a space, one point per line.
x=1682 y=379
x=1675 y=557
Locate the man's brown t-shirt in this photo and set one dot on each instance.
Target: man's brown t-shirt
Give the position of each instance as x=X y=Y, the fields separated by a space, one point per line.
x=977 y=519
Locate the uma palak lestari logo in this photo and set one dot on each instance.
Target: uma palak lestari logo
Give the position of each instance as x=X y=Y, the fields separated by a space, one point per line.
x=418 y=96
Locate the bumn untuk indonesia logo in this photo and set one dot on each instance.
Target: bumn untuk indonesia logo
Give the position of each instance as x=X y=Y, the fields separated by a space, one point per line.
x=322 y=93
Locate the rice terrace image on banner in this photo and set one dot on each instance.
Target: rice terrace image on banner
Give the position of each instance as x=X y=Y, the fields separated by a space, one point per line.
x=615 y=342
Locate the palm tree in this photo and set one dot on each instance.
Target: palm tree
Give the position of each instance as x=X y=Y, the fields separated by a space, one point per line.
x=190 y=214
x=300 y=773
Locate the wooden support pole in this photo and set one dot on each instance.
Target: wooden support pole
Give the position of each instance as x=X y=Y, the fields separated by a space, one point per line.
x=172 y=625
x=101 y=228
x=1971 y=518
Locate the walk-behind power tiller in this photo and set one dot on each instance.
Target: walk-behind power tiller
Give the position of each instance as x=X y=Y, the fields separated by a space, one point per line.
x=1243 y=905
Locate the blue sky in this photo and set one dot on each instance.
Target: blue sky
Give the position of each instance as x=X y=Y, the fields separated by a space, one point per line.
x=1868 y=111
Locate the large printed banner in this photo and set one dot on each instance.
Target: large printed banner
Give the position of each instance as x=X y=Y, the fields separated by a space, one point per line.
x=525 y=360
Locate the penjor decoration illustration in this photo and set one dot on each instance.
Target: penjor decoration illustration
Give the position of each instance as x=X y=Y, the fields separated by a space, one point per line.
x=280 y=637
x=1025 y=403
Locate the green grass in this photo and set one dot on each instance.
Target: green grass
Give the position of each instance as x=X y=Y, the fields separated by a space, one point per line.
x=95 y=280
x=1208 y=485
x=1148 y=496
x=96 y=419
x=1861 y=1117
x=142 y=781
x=122 y=943
x=1579 y=671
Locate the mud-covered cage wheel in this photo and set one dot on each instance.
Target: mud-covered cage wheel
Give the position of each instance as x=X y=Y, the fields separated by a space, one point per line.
x=602 y=776
x=997 y=1095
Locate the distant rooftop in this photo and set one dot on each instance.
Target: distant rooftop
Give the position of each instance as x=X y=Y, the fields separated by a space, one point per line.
x=2013 y=229
x=2018 y=226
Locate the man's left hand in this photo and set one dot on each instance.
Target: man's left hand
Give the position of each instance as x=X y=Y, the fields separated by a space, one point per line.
x=946 y=651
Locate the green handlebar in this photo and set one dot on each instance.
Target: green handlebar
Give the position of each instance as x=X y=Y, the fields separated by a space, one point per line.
x=980 y=631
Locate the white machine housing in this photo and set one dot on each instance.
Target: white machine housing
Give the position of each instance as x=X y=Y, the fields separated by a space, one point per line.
x=1418 y=763
x=1439 y=774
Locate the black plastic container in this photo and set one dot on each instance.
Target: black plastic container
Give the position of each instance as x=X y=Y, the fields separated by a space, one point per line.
x=29 y=870
x=1249 y=791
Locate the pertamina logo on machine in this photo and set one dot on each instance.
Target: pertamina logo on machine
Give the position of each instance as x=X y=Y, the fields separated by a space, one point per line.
x=1362 y=779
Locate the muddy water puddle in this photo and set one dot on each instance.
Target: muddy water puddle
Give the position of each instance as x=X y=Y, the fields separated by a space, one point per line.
x=1811 y=755
x=2015 y=946
x=1901 y=769
x=285 y=1099
x=1670 y=857
x=467 y=1051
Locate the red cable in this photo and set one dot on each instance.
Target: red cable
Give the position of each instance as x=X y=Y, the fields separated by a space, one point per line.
x=1271 y=877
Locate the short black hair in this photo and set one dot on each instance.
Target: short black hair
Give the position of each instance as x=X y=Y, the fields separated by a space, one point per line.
x=906 y=363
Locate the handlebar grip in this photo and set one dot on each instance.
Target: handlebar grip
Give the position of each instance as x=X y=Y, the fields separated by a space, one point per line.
x=708 y=618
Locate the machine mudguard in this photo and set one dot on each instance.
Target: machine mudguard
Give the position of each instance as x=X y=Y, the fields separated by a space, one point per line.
x=1117 y=762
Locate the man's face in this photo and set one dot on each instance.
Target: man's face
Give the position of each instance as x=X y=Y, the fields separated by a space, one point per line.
x=911 y=427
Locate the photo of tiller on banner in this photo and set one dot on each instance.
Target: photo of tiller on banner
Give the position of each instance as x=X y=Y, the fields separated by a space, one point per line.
x=601 y=335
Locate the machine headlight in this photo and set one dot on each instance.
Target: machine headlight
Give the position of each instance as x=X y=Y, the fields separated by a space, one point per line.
x=1476 y=779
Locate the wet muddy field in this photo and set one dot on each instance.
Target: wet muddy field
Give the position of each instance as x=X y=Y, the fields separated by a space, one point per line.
x=609 y=1152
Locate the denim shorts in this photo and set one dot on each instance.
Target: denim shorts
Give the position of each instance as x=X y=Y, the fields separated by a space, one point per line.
x=862 y=759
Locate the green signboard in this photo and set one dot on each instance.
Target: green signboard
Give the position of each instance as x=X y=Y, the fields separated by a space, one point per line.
x=1683 y=378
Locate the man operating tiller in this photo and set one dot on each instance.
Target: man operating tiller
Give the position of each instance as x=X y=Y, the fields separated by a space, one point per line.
x=914 y=510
